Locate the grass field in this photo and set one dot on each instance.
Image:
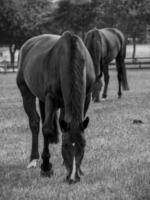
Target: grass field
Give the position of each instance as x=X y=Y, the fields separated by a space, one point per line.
x=142 y=50
x=117 y=156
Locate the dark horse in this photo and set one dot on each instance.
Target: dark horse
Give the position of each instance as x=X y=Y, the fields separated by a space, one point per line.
x=105 y=45
x=58 y=70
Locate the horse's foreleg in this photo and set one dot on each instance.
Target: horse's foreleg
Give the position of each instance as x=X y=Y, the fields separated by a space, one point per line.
x=106 y=81
x=46 y=166
x=96 y=90
x=50 y=135
x=34 y=121
x=49 y=125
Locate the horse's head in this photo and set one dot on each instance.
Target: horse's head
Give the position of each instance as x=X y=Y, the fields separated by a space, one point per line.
x=73 y=145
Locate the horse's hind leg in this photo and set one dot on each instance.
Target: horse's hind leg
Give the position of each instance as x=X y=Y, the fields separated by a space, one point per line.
x=119 y=63
x=96 y=90
x=50 y=133
x=106 y=81
x=30 y=109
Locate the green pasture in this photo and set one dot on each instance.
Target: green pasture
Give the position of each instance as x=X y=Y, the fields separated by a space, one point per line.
x=117 y=155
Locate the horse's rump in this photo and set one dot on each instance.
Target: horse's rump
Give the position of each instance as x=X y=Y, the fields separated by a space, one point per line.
x=76 y=76
x=113 y=42
x=51 y=62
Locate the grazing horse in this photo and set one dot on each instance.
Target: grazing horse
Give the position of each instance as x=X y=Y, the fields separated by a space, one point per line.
x=105 y=45
x=58 y=70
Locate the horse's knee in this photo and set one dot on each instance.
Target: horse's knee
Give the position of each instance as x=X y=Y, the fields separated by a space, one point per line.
x=50 y=134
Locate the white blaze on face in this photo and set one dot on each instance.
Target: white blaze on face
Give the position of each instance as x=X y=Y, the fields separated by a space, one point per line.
x=72 y=177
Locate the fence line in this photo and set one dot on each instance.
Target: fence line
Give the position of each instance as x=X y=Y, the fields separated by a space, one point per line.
x=136 y=63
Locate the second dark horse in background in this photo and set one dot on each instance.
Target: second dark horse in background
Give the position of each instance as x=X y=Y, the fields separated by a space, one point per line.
x=105 y=45
x=59 y=71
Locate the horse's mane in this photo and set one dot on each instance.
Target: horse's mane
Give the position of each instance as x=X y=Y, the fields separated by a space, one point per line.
x=77 y=95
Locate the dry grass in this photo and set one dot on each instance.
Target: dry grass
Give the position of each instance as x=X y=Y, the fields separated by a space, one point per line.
x=117 y=157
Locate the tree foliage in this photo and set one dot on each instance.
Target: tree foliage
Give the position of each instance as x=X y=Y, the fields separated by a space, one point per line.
x=129 y=16
x=19 y=21
x=78 y=18
x=22 y=19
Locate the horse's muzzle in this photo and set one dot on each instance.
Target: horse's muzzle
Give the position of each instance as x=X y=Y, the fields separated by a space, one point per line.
x=76 y=178
x=73 y=180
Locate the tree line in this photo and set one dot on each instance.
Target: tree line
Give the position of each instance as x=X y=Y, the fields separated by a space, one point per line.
x=22 y=19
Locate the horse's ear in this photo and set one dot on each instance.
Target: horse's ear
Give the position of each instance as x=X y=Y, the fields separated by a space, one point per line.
x=85 y=123
x=64 y=125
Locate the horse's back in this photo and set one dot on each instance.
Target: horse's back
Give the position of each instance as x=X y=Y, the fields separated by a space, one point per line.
x=112 y=34
x=112 y=42
x=32 y=61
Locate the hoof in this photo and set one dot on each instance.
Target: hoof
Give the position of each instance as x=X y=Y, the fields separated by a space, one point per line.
x=103 y=99
x=119 y=95
x=137 y=121
x=33 y=164
x=96 y=100
x=47 y=173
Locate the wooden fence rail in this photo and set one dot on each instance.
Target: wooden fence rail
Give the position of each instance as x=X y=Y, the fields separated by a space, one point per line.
x=136 y=63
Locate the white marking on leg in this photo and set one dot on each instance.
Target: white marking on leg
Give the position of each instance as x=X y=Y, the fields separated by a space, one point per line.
x=103 y=99
x=72 y=177
x=32 y=164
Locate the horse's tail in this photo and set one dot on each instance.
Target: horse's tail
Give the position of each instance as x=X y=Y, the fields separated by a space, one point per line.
x=121 y=66
x=94 y=45
x=77 y=76
x=124 y=78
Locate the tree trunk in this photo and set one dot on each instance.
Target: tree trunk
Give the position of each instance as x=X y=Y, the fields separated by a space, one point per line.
x=134 y=48
x=12 y=51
